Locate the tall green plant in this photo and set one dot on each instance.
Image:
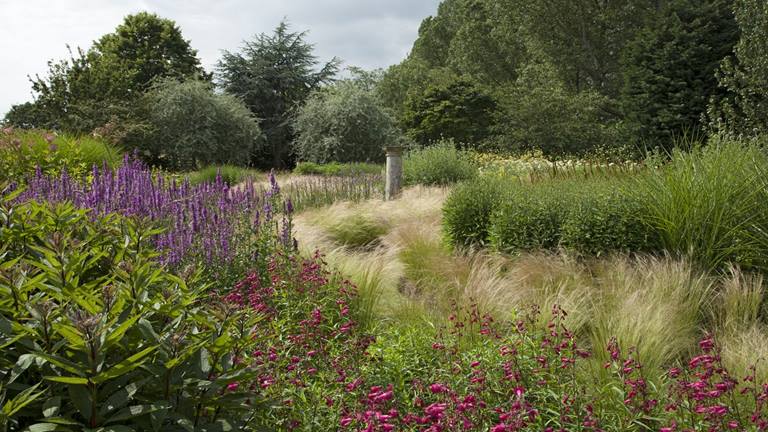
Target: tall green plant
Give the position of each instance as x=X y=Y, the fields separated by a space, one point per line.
x=97 y=336
x=439 y=164
x=709 y=203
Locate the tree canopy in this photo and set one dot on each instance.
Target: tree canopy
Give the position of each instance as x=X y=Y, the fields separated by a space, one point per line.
x=344 y=122
x=84 y=91
x=274 y=74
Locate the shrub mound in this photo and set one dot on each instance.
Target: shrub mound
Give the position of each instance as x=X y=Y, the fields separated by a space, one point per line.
x=531 y=221
x=468 y=209
x=606 y=221
x=439 y=164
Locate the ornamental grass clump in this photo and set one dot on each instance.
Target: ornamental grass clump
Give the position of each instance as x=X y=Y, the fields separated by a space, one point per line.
x=22 y=151
x=440 y=164
x=710 y=204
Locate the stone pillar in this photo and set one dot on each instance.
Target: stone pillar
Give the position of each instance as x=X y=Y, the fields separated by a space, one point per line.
x=394 y=179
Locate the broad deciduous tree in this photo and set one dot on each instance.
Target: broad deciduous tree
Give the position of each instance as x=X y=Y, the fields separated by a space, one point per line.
x=84 y=91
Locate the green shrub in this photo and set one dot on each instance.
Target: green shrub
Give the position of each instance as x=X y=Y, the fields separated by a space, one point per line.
x=439 y=164
x=337 y=169
x=97 y=335
x=230 y=174
x=357 y=230
x=532 y=220
x=467 y=211
x=191 y=126
x=343 y=123
x=710 y=203
x=538 y=112
x=591 y=216
x=605 y=220
x=21 y=152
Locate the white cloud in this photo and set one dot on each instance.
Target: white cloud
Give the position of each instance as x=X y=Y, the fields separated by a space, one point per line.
x=365 y=33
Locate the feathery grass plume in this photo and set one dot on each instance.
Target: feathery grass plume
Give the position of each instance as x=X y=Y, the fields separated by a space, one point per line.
x=653 y=304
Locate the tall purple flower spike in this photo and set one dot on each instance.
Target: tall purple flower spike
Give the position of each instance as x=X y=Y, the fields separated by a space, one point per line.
x=205 y=217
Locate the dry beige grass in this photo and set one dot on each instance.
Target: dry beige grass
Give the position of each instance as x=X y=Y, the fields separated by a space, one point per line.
x=656 y=305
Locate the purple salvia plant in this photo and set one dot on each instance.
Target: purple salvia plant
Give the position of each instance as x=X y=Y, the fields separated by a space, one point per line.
x=207 y=217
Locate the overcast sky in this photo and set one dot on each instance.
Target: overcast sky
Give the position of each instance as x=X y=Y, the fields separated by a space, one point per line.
x=365 y=33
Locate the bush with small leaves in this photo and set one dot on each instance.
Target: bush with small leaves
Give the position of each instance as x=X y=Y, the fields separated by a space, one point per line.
x=192 y=126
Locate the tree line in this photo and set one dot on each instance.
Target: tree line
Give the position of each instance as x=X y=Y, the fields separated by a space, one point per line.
x=566 y=77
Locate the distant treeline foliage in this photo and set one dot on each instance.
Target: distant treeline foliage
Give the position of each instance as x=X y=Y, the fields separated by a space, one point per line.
x=564 y=77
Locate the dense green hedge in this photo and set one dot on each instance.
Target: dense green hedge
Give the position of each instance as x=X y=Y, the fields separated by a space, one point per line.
x=604 y=221
x=531 y=220
x=467 y=211
x=591 y=216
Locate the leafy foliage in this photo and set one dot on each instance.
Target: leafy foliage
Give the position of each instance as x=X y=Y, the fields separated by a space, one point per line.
x=743 y=75
x=96 y=334
x=710 y=203
x=83 y=92
x=459 y=111
x=23 y=152
x=272 y=75
x=468 y=209
x=532 y=220
x=191 y=126
x=343 y=123
x=337 y=169
x=584 y=39
x=605 y=220
x=538 y=113
x=670 y=68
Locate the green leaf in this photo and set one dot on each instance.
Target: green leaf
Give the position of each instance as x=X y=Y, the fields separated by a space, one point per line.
x=118 y=333
x=81 y=399
x=67 y=380
x=124 y=366
x=62 y=421
x=46 y=427
x=120 y=398
x=221 y=342
x=21 y=400
x=22 y=364
x=62 y=363
x=71 y=334
x=185 y=354
x=117 y=428
x=51 y=407
x=145 y=327
x=136 y=411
